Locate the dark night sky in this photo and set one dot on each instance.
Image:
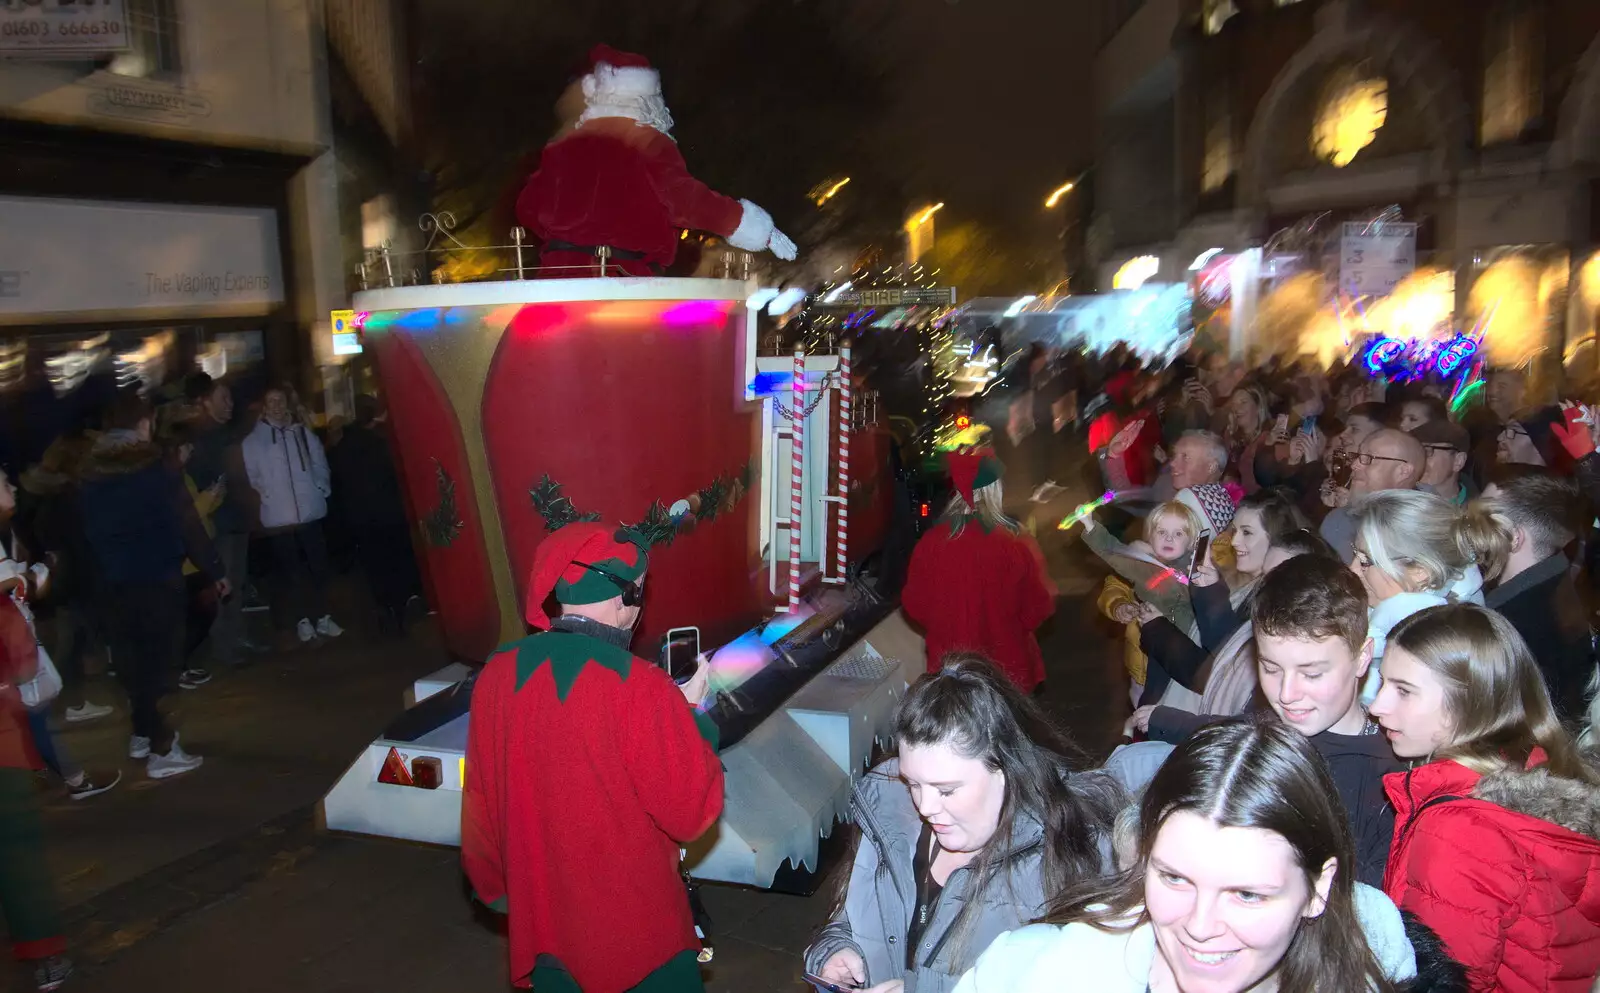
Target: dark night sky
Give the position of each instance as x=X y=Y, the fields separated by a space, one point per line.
x=992 y=104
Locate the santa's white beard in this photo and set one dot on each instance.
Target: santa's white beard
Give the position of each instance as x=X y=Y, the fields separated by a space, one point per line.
x=649 y=111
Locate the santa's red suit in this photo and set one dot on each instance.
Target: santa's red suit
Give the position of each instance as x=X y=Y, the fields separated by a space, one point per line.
x=617 y=180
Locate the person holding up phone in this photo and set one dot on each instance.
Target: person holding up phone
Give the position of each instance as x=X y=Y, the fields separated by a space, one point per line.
x=587 y=769
x=967 y=834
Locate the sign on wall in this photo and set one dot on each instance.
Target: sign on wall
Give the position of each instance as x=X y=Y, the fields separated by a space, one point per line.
x=62 y=27
x=1374 y=258
x=66 y=259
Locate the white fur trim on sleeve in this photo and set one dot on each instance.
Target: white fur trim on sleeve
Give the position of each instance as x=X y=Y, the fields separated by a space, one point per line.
x=754 y=230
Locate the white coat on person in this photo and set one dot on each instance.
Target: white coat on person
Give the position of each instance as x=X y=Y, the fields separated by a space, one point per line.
x=289 y=472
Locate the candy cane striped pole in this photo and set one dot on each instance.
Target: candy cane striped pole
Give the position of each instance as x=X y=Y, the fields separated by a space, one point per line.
x=797 y=468
x=846 y=425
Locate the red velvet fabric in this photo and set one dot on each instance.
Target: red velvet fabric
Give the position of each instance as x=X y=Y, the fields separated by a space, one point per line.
x=614 y=182
x=981 y=591
x=573 y=809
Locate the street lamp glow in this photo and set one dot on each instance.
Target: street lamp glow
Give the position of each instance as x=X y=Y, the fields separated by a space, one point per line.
x=923 y=217
x=1060 y=192
x=835 y=188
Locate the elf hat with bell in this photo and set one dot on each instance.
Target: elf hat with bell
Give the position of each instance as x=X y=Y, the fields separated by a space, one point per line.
x=576 y=563
x=972 y=470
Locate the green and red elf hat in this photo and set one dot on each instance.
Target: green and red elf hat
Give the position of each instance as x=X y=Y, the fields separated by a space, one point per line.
x=576 y=563
x=972 y=470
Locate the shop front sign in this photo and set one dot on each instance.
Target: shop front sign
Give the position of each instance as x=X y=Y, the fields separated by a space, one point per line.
x=81 y=259
x=50 y=28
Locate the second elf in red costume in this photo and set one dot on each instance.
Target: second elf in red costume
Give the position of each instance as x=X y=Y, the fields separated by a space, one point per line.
x=977 y=581
x=587 y=768
x=617 y=180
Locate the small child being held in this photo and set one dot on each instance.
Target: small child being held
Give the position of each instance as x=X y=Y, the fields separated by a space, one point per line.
x=1157 y=565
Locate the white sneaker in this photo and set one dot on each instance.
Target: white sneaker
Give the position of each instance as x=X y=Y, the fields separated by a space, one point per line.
x=138 y=748
x=87 y=712
x=306 y=632
x=327 y=628
x=174 y=763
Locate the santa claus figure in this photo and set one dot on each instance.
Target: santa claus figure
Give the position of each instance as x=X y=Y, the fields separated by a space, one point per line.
x=617 y=180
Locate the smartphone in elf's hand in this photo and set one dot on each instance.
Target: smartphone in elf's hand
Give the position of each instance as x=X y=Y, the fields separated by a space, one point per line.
x=680 y=656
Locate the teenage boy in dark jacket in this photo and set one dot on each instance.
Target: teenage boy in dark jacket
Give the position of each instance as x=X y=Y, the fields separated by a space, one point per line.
x=141 y=525
x=1312 y=650
x=1535 y=590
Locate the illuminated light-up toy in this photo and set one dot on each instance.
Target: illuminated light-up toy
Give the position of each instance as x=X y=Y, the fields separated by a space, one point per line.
x=1085 y=510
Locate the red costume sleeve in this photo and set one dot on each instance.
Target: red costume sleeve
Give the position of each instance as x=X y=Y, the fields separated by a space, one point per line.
x=482 y=800
x=689 y=202
x=676 y=773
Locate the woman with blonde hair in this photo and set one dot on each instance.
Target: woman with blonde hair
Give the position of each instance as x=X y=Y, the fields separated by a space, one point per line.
x=1415 y=550
x=976 y=581
x=1497 y=835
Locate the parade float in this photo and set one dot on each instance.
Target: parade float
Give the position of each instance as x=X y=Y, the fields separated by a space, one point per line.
x=574 y=388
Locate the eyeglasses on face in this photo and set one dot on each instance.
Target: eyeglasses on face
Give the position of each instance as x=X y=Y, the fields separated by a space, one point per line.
x=1366 y=458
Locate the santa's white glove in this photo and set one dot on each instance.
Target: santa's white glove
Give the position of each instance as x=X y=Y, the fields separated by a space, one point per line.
x=755 y=233
x=781 y=245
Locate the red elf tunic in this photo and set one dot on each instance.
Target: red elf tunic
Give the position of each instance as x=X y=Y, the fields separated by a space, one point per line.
x=585 y=771
x=612 y=181
x=983 y=591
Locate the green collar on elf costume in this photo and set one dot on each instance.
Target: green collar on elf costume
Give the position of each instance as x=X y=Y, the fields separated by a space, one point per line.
x=568 y=654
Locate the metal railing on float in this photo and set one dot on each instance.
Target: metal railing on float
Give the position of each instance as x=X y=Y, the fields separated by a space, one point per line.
x=383 y=267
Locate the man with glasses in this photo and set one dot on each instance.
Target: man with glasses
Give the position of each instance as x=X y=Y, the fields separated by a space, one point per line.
x=1387 y=460
x=1446 y=444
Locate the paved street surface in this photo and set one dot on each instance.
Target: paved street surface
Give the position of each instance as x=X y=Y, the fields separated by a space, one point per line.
x=222 y=879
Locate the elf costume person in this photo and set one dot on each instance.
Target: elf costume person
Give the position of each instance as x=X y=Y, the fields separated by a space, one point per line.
x=586 y=770
x=617 y=180
x=977 y=582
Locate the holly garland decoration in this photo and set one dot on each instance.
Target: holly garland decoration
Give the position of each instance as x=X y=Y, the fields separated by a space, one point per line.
x=555 y=507
x=659 y=526
x=443 y=523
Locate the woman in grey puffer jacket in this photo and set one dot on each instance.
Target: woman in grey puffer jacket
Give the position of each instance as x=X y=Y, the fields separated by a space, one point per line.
x=967 y=834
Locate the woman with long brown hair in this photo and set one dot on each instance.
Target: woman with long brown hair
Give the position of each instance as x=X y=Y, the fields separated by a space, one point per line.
x=1497 y=835
x=1242 y=878
x=964 y=835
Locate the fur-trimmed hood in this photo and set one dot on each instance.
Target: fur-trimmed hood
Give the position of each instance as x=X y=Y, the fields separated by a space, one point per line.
x=118 y=453
x=1566 y=803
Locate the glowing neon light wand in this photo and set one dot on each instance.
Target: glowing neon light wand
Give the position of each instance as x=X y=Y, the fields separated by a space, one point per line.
x=1085 y=510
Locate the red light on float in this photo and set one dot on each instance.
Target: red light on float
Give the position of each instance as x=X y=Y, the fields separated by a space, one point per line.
x=924 y=510
x=963 y=422
x=394 y=770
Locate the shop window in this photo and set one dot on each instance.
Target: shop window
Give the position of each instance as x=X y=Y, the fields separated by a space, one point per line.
x=1215 y=14
x=153 y=51
x=1354 y=106
x=1217 y=165
x=1512 y=70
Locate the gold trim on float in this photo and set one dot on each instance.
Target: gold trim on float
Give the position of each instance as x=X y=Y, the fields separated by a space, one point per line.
x=460 y=361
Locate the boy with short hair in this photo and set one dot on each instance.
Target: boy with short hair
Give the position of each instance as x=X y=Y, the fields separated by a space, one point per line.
x=1312 y=651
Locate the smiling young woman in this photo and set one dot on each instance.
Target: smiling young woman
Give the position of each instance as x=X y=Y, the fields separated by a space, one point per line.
x=1241 y=881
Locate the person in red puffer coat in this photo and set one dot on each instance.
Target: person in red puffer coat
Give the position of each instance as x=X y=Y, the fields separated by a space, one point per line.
x=27 y=892
x=977 y=582
x=1497 y=839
